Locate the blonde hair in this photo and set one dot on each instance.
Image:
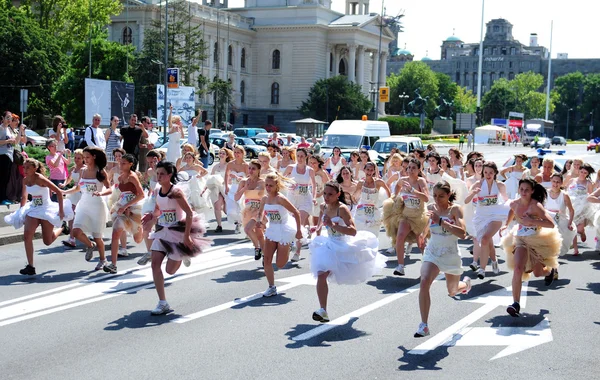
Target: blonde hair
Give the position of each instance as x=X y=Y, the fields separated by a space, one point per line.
x=264 y=154
x=396 y=156
x=39 y=168
x=176 y=119
x=281 y=182
x=291 y=151
x=239 y=147
x=190 y=147
x=78 y=152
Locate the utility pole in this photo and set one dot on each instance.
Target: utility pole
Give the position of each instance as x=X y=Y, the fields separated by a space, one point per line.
x=379 y=60
x=166 y=66
x=480 y=68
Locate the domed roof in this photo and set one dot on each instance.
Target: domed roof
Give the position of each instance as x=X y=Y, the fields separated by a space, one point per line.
x=453 y=38
x=398 y=52
x=426 y=59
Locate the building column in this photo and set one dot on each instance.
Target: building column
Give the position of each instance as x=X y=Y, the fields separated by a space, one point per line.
x=383 y=77
x=224 y=58
x=352 y=62
x=375 y=71
x=211 y=58
x=361 y=66
x=336 y=61
x=140 y=41
x=328 y=61
x=238 y=73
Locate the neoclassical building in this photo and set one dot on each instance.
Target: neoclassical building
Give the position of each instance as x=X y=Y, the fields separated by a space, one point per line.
x=273 y=51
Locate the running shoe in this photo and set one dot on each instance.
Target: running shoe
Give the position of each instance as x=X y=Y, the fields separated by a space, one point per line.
x=89 y=252
x=474 y=266
x=270 y=292
x=549 y=279
x=162 y=308
x=238 y=228
x=69 y=243
x=186 y=261
x=65 y=228
x=218 y=229
x=101 y=264
x=145 y=259
x=320 y=316
x=495 y=267
x=422 y=331
x=467 y=281
x=391 y=250
x=408 y=249
x=514 y=309
x=296 y=257
x=257 y=253
x=480 y=274
x=111 y=268
x=28 y=270
x=123 y=252
x=399 y=271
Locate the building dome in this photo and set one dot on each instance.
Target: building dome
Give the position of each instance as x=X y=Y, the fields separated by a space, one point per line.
x=399 y=52
x=453 y=38
x=426 y=59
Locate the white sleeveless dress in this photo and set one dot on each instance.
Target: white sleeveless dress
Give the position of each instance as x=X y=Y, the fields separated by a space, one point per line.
x=367 y=216
x=490 y=207
x=40 y=207
x=91 y=212
x=442 y=249
x=334 y=170
x=558 y=211
x=512 y=184
x=281 y=228
x=232 y=206
x=301 y=194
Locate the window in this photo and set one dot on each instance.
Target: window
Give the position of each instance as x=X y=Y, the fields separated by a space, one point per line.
x=330 y=62
x=245 y=119
x=510 y=65
x=501 y=75
x=496 y=28
x=457 y=80
x=274 y=94
x=243 y=59
x=271 y=119
x=503 y=51
x=511 y=76
x=513 y=51
x=458 y=65
x=216 y=53
x=276 y=64
x=476 y=51
x=243 y=92
x=229 y=55
x=342 y=67
x=127 y=36
x=486 y=51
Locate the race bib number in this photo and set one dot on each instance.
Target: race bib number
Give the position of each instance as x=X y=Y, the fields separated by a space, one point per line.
x=37 y=201
x=555 y=215
x=302 y=189
x=126 y=197
x=487 y=201
x=526 y=231
x=368 y=210
x=274 y=216
x=91 y=188
x=253 y=204
x=168 y=217
x=411 y=202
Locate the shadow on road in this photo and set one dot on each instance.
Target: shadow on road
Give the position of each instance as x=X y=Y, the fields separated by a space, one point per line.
x=525 y=320
x=240 y=275
x=427 y=362
x=47 y=277
x=279 y=299
x=592 y=287
x=337 y=334
x=391 y=285
x=140 y=319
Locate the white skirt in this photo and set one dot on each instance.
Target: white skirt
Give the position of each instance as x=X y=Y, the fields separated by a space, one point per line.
x=485 y=215
x=445 y=256
x=91 y=215
x=234 y=210
x=303 y=202
x=316 y=210
x=282 y=233
x=562 y=222
x=47 y=212
x=349 y=259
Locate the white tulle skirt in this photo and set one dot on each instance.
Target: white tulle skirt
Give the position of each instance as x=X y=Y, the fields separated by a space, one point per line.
x=368 y=218
x=584 y=210
x=47 y=212
x=282 y=233
x=316 y=209
x=349 y=259
x=91 y=215
x=562 y=222
x=215 y=186
x=485 y=215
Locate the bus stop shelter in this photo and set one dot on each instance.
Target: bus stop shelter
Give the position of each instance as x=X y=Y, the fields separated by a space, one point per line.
x=310 y=127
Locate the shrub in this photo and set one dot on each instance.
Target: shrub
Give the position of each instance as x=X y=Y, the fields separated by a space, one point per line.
x=406 y=125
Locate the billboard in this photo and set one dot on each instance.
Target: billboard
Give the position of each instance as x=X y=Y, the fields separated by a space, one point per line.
x=182 y=99
x=108 y=98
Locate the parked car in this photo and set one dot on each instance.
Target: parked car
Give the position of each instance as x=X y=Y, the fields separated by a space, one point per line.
x=559 y=140
x=592 y=145
x=406 y=144
x=559 y=163
x=248 y=132
x=251 y=147
x=34 y=139
x=259 y=141
x=543 y=142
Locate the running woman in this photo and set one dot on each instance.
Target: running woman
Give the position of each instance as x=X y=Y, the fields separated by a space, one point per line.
x=74 y=198
x=39 y=211
x=561 y=210
x=153 y=157
x=321 y=178
x=234 y=173
x=578 y=189
x=513 y=175
x=335 y=162
x=367 y=215
x=176 y=236
x=346 y=256
x=441 y=254
x=280 y=232
x=253 y=190
x=533 y=245
x=215 y=184
x=545 y=177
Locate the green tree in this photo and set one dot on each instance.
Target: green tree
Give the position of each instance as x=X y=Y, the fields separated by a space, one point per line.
x=591 y=99
x=327 y=96
x=108 y=62
x=222 y=96
x=464 y=101
x=71 y=20
x=147 y=71
x=499 y=100
x=568 y=88
x=414 y=75
x=447 y=89
x=31 y=58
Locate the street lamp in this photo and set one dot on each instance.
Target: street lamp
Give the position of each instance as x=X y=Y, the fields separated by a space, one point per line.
x=160 y=64
x=568 y=114
x=374 y=92
x=403 y=97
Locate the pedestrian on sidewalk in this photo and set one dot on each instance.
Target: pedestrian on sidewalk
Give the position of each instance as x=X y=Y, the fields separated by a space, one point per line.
x=461 y=141
x=470 y=145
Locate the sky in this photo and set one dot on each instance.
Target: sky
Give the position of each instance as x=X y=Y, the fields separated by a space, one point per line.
x=428 y=22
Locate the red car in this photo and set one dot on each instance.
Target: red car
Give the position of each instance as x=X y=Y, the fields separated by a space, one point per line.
x=592 y=145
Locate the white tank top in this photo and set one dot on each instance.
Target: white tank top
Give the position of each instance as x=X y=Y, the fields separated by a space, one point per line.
x=487 y=197
x=170 y=212
x=40 y=196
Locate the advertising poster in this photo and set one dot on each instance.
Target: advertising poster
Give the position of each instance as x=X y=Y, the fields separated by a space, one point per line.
x=182 y=99
x=97 y=100
x=122 y=100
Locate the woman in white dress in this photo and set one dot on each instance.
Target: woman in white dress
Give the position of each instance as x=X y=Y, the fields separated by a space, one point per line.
x=434 y=173
x=253 y=190
x=91 y=212
x=578 y=189
x=356 y=165
x=215 y=184
x=395 y=171
x=234 y=173
x=545 y=176
x=490 y=212
x=335 y=162
x=447 y=167
x=346 y=179
x=456 y=163
x=573 y=171
x=515 y=173
x=196 y=173
x=367 y=215
x=175 y=135
x=264 y=159
x=321 y=178
x=560 y=208
x=446 y=226
x=274 y=154
x=535 y=163
x=41 y=210
x=288 y=157
x=281 y=230
x=346 y=256
x=302 y=194
x=74 y=198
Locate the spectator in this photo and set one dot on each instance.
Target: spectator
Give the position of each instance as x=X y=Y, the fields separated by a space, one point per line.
x=14 y=189
x=145 y=144
x=316 y=147
x=57 y=163
x=93 y=135
x=132 y=133
x=461 y=141
x=193 y=132
x=7 y=142
x=59 y=132
x=71 y=137
x=470 y=141
x=276 y=140
x=203 y=147
x=303 y=143
x=113 y=140
x=289 y=141
x=230 y=143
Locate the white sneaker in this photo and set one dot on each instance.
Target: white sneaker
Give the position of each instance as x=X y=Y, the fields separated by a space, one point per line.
x=296 y=258
x=123 y=252
x=186 y=261
x=391 y=250
x=474 y=266
x=89 y=252
x=480 y=274
x=408 y=249
x=145 y=259
x=238 y=228
x=399 y=271
x=270 y=292
x=320 y=316
x=422 y=331
x=162 y=308
x=467 y=281
x=495 y=268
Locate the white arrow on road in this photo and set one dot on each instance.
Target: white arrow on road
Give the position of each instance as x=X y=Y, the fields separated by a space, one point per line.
x=292 y=282
x=516 y=338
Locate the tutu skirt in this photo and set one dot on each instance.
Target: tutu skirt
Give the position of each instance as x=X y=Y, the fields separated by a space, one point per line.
x=282 y=233
x=394 y=211
x=215 y=186
x=91 y=215
x=542 y=247
x=485 y=215
x=349 y=259
x=584 y=211
x=130 y=220
x=170 y=239
x=48 y=212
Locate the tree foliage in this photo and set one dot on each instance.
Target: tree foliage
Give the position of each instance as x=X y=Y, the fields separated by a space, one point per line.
x=108 y=62
x=591 y=100
x=222 y=96
x=328 y=95
x=499 y=100
x=412 y=76
x=464 y=101
x=31 y=58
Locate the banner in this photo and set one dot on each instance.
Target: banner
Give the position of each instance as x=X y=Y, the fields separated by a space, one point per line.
x=516 y=123
x=182 y=99
x=122 y=101
x=108 y=98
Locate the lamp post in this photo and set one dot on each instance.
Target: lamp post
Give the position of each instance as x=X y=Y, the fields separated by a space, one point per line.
x=592 y=124
x=568 y=114
x=403 y=97
x=374 y=92
x=166 y=65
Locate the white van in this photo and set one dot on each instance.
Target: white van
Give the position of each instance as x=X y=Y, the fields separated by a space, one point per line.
x=350 y=135
x=406 y=144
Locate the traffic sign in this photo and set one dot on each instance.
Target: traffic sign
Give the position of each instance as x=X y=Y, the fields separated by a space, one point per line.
x=384 y=94
x=173 y=78
x=23 y=103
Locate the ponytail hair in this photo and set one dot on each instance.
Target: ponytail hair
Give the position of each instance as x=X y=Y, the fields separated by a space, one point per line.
x=445 y=187
x=170 y=168
x=539 y=192
x=338 y=189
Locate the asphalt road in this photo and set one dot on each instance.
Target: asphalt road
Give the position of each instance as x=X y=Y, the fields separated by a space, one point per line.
x=70 y=322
